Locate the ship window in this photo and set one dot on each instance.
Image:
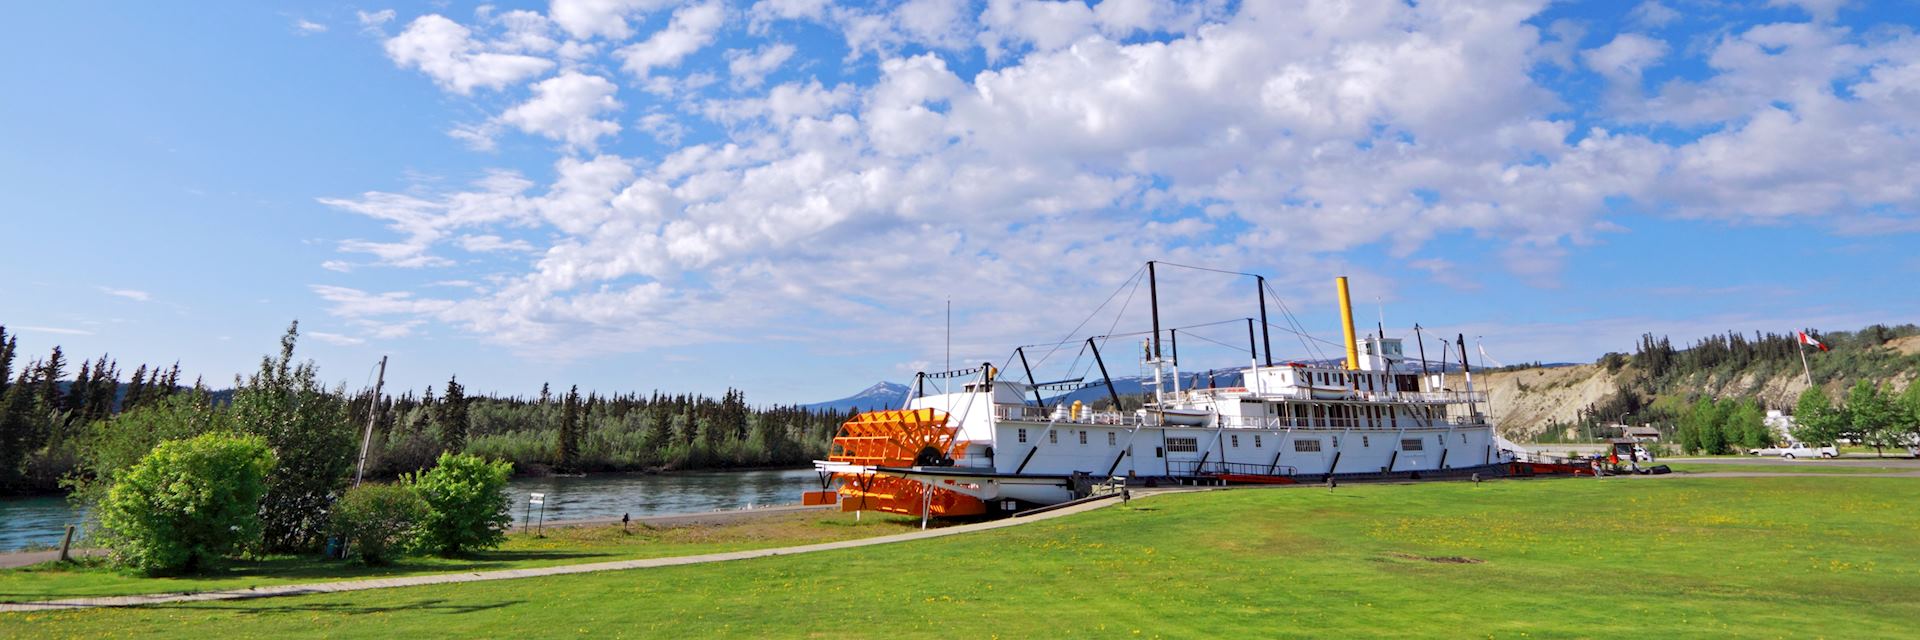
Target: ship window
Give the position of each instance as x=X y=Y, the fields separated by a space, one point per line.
x=1083 y=437
x=1053 y=437
x=1256 y=441
x=1023 y=435
x=1440 y=439
x=1412 y=444
x=1364 y=442
x=1463 y=437
x=1176 y=445
x=1308 y=445
x=1112 y=438
x=1234 y=440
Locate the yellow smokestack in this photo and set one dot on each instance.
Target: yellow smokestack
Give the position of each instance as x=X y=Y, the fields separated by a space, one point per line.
x=1346 y=323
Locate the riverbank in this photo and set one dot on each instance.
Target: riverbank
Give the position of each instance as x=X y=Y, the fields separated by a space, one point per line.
x=39 y=523
x=563 y=543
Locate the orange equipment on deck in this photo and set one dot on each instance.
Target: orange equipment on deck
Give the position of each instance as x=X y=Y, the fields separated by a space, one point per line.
x=900 y=438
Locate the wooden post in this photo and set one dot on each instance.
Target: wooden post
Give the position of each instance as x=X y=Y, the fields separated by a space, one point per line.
x=373 y=415
x=66 y=543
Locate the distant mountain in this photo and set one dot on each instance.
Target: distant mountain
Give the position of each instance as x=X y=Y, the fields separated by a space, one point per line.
x=882 y=395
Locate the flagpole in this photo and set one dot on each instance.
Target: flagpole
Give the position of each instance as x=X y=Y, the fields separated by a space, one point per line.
x=1803 y=359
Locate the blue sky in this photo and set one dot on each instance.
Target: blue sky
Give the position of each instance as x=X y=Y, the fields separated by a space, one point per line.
x=781 y=195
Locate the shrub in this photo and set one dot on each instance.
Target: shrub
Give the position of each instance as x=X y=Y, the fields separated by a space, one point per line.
x=308 y=426
x=377 y=520
x=116 y=444
x=188 y=503
x=466 y=499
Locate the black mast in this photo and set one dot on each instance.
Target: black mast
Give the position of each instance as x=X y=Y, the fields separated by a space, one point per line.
x=1175 y=335
x=1423 y=352
x=1253 y=348
x=1103 y=374
x=1153 y=299
x=1035 y=383
x=1261 y=282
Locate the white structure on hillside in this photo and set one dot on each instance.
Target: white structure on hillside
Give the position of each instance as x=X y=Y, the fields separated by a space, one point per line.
x=1781 y=424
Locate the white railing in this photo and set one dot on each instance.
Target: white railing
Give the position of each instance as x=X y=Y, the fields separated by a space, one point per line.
x=1304 y=393
x=1029 y=413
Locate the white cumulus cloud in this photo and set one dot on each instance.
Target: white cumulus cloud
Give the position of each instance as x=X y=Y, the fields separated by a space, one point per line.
x=691 y=29
x=567 y=108
x=447 y=52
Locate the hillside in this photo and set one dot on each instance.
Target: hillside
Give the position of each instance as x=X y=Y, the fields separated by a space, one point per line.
x=1526 y=402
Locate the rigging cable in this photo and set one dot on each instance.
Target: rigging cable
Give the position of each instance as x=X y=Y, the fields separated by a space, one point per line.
x=1134 y=279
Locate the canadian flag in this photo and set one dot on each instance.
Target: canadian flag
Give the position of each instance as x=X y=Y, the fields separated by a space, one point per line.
x=1809 y=341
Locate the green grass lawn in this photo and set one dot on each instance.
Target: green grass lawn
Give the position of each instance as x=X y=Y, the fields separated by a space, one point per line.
x=1806 y=466
x=1617 y=557
x=568 y=545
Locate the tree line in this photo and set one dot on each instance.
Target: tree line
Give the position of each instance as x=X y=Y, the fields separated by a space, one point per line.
x=59 y=433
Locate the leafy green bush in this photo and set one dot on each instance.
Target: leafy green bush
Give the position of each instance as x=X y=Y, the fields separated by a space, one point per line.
x=377 y=520
x=116 y=444
x=188 y=503
x=466 y=498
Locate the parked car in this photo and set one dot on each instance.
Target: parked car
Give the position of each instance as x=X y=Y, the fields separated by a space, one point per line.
x=1797 y=450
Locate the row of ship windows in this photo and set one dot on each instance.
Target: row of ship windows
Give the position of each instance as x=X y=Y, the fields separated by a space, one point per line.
x=1369 y=381
x=1301 y=445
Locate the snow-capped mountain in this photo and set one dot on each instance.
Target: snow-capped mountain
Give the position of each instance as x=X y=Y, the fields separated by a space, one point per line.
x=882 y=395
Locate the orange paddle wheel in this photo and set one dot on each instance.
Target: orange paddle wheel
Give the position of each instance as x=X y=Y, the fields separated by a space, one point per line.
x=903 y=438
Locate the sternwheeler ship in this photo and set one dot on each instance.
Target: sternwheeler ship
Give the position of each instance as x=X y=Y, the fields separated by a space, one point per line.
x=992 y=443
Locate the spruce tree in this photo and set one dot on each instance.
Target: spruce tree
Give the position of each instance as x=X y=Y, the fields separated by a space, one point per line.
x=453 y=417
x=80 y=390
x=7 y=347
x=136 y=390
x=51 y=371
x=570 y=430
x=104 y=391
x=16 y=429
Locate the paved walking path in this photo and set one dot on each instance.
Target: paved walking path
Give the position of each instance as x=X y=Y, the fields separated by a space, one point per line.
x=15 y=559
x=509 y=574
x=1778 y=474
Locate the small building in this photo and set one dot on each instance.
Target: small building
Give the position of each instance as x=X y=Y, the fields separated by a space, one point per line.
x=1643 y=433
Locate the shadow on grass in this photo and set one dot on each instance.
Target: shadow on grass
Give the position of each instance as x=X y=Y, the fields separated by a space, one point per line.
x=436 y=606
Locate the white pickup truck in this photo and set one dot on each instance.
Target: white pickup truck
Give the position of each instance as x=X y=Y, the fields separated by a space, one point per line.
x=1797 y=450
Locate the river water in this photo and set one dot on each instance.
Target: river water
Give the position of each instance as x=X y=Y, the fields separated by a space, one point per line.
x=39 y=522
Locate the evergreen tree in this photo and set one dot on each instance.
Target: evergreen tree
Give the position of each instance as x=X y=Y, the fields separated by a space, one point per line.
x=78 y=392
x=570 y=430
x=104 y=391
x=136 y=390
x=16 y=431
x=453 y=417
x=51 y=371
x=8 y=345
